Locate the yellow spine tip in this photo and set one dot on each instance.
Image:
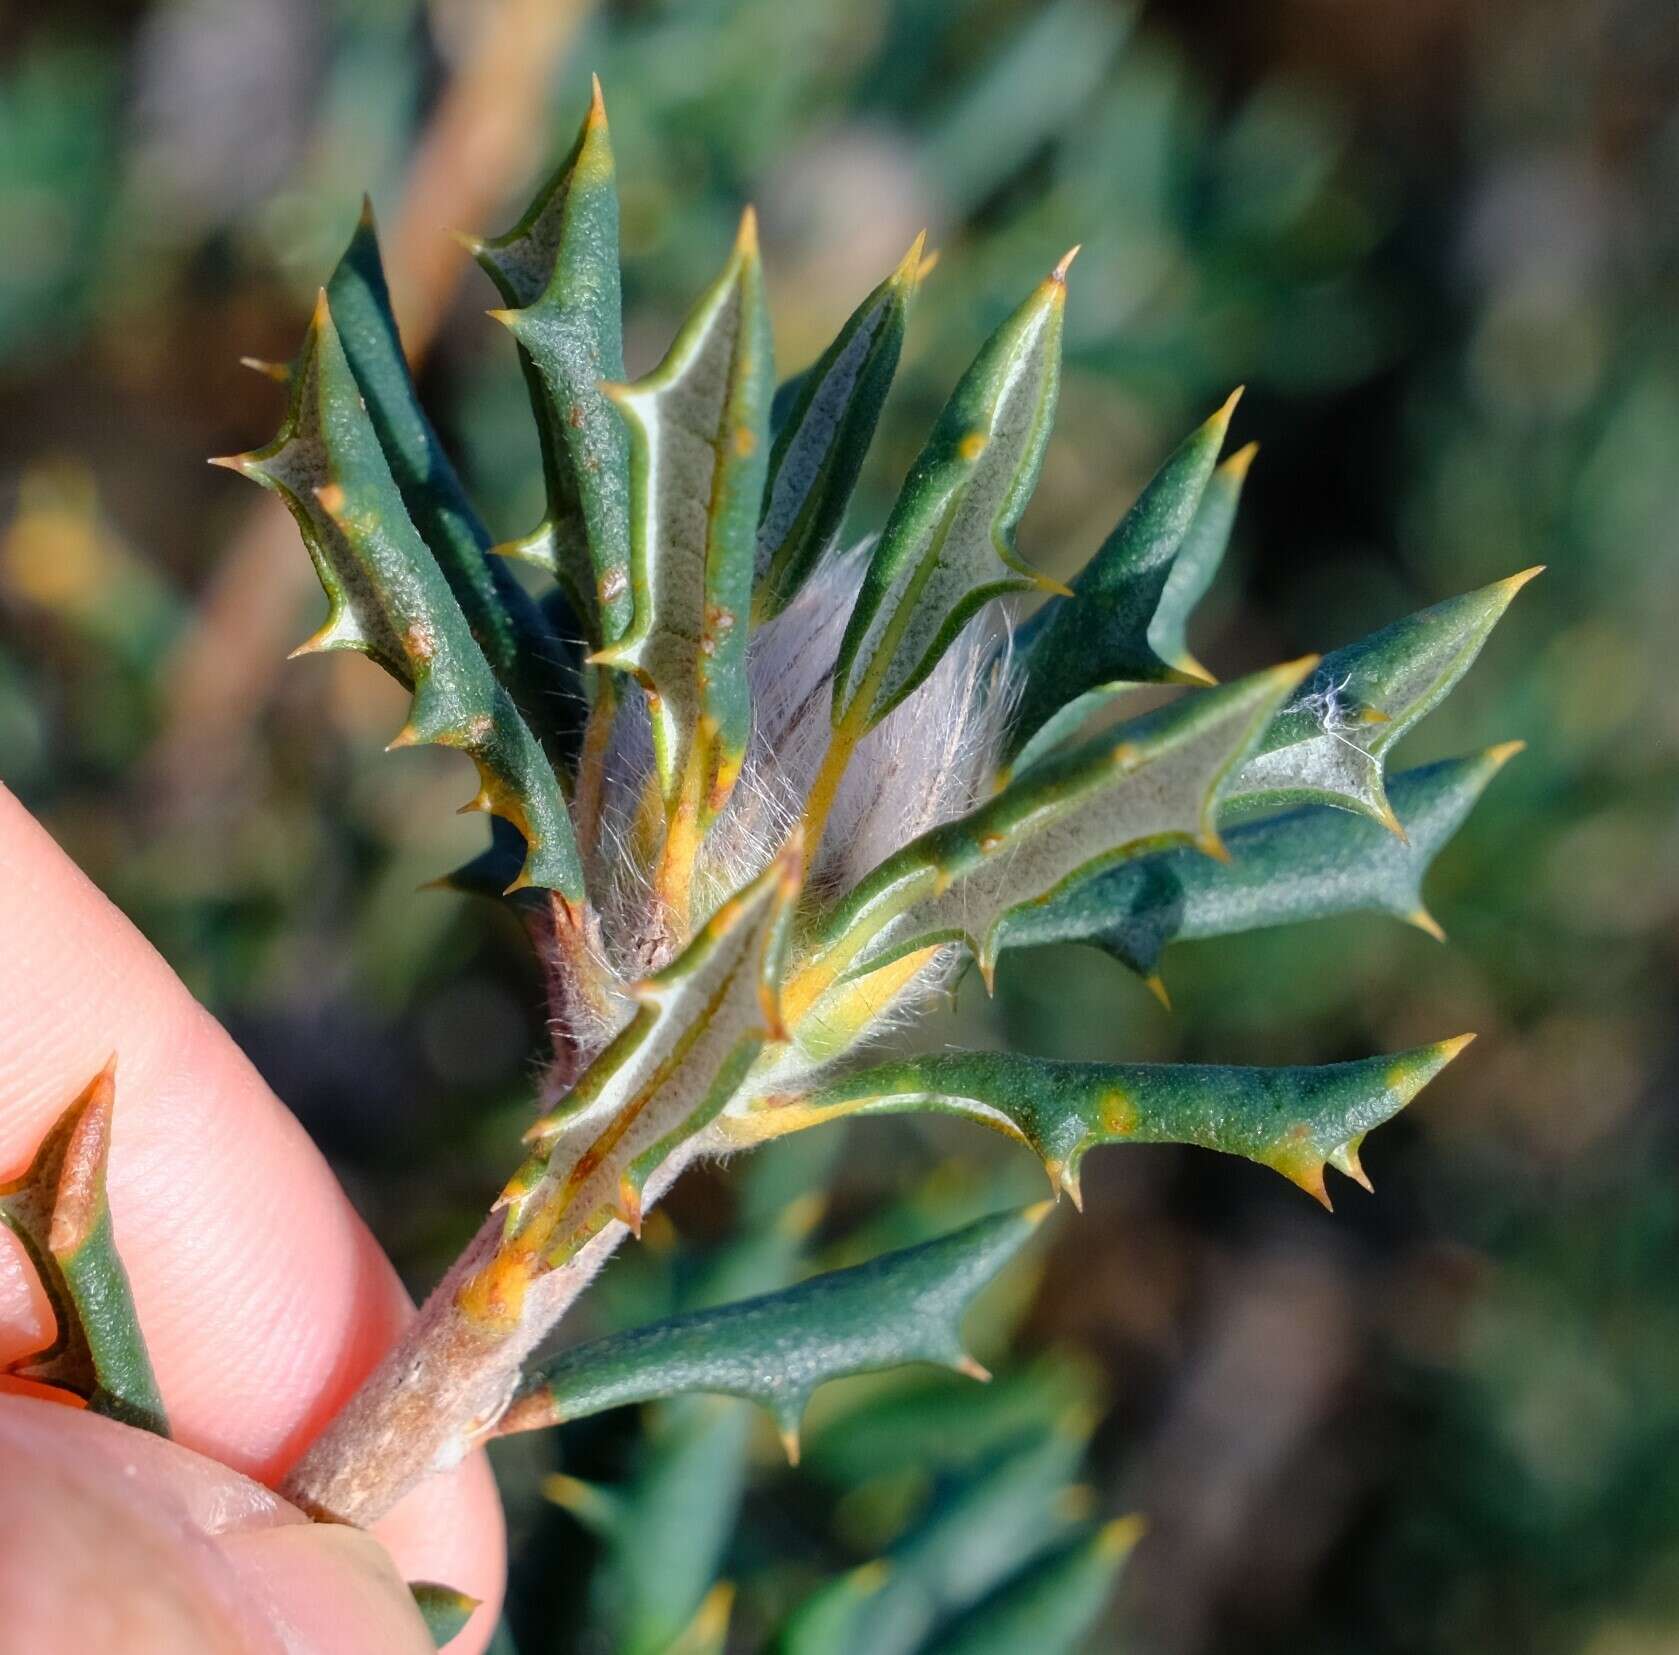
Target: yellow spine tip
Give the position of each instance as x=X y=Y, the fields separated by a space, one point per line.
x=746 y=238
x=1240 y=463
x=1038 y=1212
x=465 y=238
x=1209 y=844
x=910 y=267
x=507 y=318
x=790 y=1443
x=1392 y=823
x=1229 y=408
x=1425 y=921
x=1156 y=986
x=597 y=104
x=868 y=1578
x=1059 y=274
x=321 y=315
x=1448 y=1049
x=1504 y=752
x=1048 y=583
x=1190 y=671
x=279 y=372
x=973 y=1370
x=1114 y=1539
x=1295 y=670
x=928 y=265
x=232 y=462
x=1514 y=583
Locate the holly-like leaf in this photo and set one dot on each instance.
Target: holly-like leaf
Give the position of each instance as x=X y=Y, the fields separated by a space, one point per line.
x=948 y=546
x=444 y=1610
x=1305 y=864
x=823 y=427
x=1068 y=816
x=1051 y=1606
x=1328 y=745
x=59 y=1212
x=1294 y=1120
x=776 y=1349
x=557 y=272
x=388 y=598
x=1079 y=649
x=699 y=1024
x=698 y=428
x=519 y=641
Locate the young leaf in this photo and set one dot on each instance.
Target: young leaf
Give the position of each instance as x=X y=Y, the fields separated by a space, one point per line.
x=1100 y=637
x=1050 y=1606
x=1306 y=864
x=700 y=1023
x=1328 y=745
x=698 y=429
x=388 y=599
x=775 y=1350
x=1294 y=1120
x=823 y=429
x=444 y=1610
x=1069 y=815
x=518 y=640
x=60 y=1215
x=557 y=271
x=948 y=546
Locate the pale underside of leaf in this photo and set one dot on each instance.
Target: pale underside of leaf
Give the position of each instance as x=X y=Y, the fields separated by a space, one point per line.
x=948 y=545
x=698 y=428
x=1067 y=817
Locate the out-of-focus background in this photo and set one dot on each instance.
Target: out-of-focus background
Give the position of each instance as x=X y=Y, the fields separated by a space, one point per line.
x=1438 y=244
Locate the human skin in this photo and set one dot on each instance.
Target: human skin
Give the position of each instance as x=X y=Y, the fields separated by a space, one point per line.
x=264 y=1301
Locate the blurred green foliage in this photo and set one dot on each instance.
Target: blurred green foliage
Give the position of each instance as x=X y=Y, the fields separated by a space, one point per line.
x=1439 y=245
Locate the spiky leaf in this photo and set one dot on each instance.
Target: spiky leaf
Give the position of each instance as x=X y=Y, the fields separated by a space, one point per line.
x=1067 y=816
x=698 y=1026
x=1051 y=1606
x=698 y=429
x=1294 y=1120
x=59 y=1212
x=1101 y=637
x=1328 y=745
x=518 y=640
x=948 y=546
x=388 y=598
x=557 y=271
x=444 y=1610
x=1305 y=864
x=776 y=1349
x=823 y=429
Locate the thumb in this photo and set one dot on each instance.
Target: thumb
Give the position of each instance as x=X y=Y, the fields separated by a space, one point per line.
x=113 y=1540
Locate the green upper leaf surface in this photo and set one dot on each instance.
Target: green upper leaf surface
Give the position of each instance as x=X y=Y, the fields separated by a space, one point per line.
x=824 y=422
x=948 y=546
x=1101 y=635
x=517 y=639
x=1305 y=864
x=1328 y=745
x=389 y=599
x=1294 y=1120
x=557 y=269
x=776 y=1349
x=59 y=1212
x=699 y=447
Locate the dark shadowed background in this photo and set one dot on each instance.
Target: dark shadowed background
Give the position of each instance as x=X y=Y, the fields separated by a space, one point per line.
x=1437 y=241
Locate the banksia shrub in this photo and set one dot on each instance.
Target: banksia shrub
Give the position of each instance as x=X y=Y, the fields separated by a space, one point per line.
x=761 y=788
